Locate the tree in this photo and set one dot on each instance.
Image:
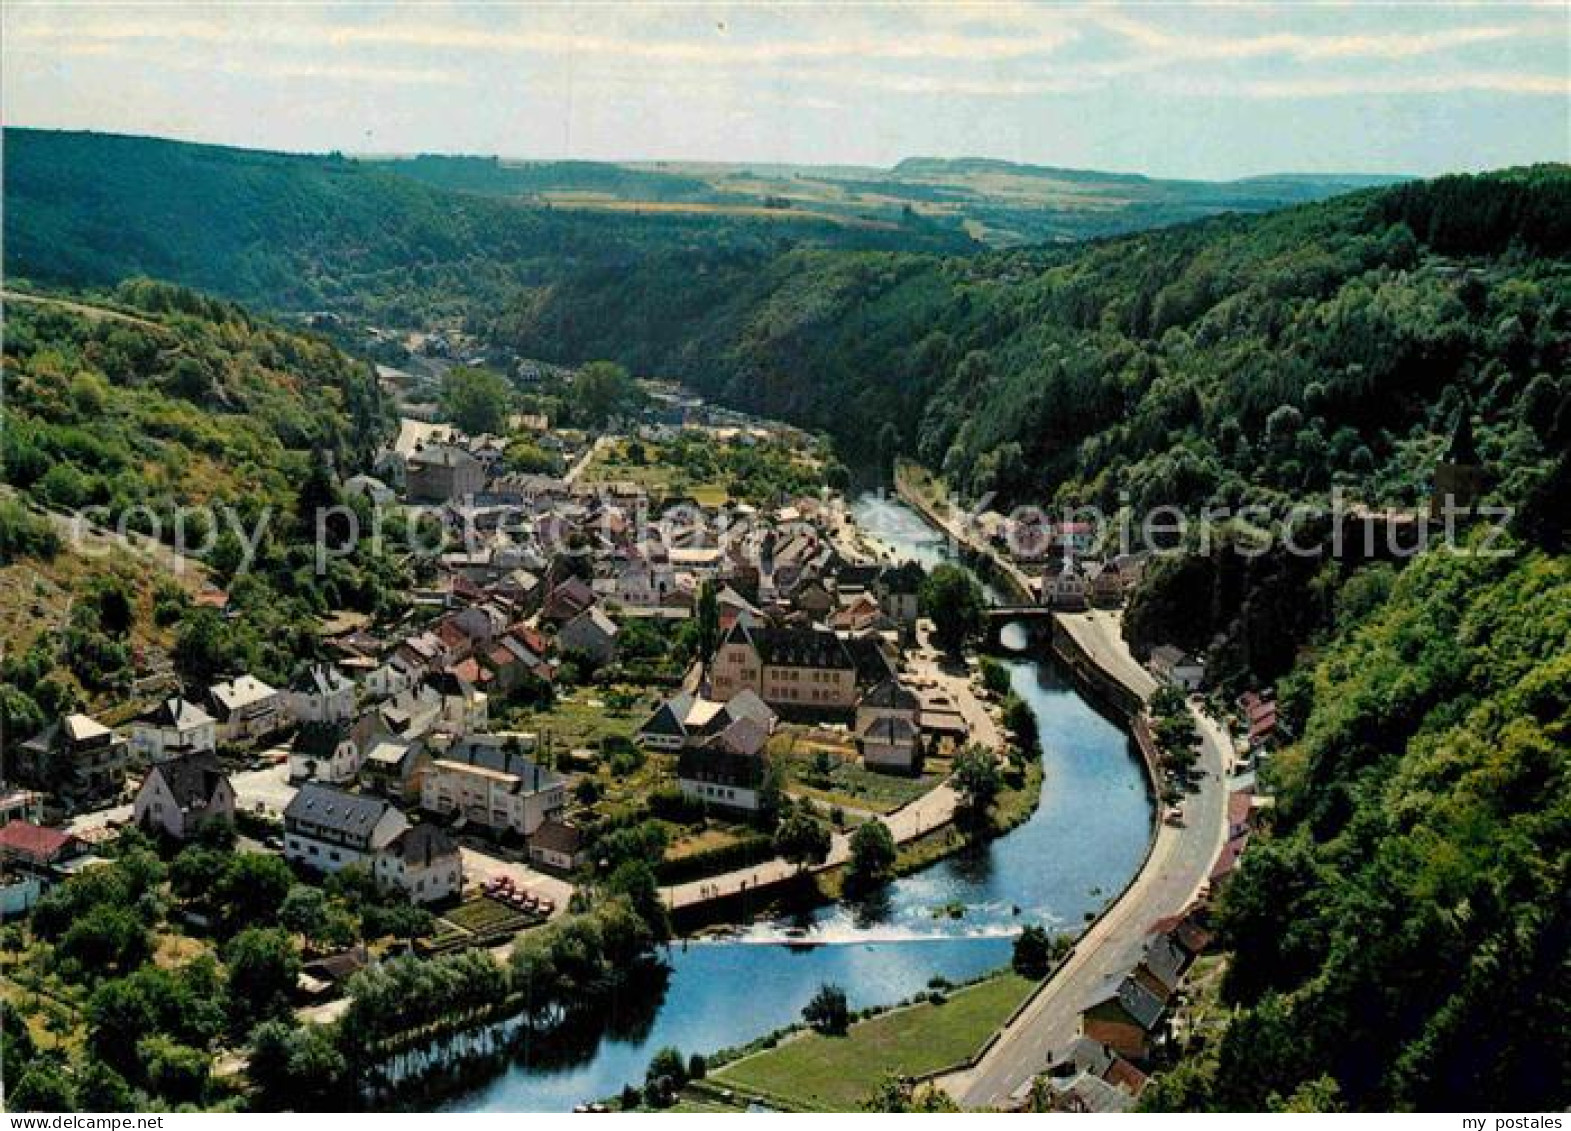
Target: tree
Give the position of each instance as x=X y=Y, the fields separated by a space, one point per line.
x=118 y=1015
x=252 y=889
x=894 y=1094
x=44 y=1086
x=802 y=839
x=995 y=677
x=107 y=938
x=203 y=648
x=115 y=603
x=601 y=389
x=263 y=969
x=828 y=1012
x=954 y=601
x=475 y=399
x=666 y=1075
x=1020 y=722
x=101 y=1088
x=304 y=911
x=176 y=1072
x=17 y=1048
x=195 y=873
x=978 y=780
x=295 y=1066
x=872 y=855
x=635 y=880
x=1033 y=952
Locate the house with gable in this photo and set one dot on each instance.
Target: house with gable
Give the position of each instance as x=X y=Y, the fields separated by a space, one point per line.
x=183 y=793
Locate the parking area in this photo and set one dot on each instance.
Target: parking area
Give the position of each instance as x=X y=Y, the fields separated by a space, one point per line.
x=480 y=867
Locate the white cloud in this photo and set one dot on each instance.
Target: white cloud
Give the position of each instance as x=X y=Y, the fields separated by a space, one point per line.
x=1163 y=44
x=1496 y=82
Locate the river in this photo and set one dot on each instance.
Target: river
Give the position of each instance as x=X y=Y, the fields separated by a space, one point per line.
x=1081 y=846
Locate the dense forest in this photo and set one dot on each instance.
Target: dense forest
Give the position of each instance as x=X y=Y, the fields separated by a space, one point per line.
x=1237 y=359
x=1000 y=203
x=285 y=232
x=1400 y=939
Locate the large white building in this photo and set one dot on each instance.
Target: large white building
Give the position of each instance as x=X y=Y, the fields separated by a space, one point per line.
x=327 y=830
x=247 y=709
x=485 y=780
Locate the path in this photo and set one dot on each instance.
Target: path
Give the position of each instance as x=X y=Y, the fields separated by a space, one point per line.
x=933 y=810
x=943 y=516
x=82 y=308
x=1100 y=634
x=601 y=444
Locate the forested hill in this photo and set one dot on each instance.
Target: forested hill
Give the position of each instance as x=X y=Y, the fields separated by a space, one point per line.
x=1400 y=939
x=1235 y=357
x=287 y=232
x=153 y=401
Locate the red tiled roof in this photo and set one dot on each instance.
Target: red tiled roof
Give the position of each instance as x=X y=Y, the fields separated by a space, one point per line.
x=23 y=838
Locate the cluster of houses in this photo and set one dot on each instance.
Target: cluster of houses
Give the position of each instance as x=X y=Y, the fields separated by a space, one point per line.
x=1105 y=1068
x=1137 y=1015
x=764 y=670
x=547 y=572
x=1062 y=559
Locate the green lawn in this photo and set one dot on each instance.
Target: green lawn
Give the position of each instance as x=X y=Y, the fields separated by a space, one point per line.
x=817 y=1073
x=583 y=717
x=654 y=475
x=847 y=782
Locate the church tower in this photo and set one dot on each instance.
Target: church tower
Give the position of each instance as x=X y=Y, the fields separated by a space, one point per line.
x=1459 y=476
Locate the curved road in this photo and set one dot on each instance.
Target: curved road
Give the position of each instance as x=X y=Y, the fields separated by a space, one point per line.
x=1180 y=861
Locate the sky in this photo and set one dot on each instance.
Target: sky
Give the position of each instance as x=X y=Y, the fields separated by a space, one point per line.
x=1167 y=89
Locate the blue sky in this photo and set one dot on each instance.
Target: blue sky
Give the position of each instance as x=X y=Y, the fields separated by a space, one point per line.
x=1169 y=89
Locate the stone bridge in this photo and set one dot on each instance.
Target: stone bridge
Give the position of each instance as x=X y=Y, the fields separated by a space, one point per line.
x=1036 y=620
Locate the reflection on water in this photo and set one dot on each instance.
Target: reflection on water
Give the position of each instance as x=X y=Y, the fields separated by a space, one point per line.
x=1080 y=847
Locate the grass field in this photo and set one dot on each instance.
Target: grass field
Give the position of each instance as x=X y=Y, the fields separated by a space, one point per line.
x=817 y=1073
x=656 y=476
x=583 y=717
x=848 y=783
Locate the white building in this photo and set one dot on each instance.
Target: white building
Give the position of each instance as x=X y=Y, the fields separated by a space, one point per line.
x=1177 y=667
x=888 y=727
x=485 y=781
x=322 y=694
x=325 y=752
x=183 y=793
x=174 y=727
x=393 y=676
x=423 y=863
x=327 y=830
x=247 y=709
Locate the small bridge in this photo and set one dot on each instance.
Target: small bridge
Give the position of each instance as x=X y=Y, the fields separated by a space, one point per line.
x=1032 y=618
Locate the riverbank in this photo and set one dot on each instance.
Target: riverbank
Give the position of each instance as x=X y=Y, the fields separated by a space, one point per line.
x=917 y=488
x=812 y=1071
